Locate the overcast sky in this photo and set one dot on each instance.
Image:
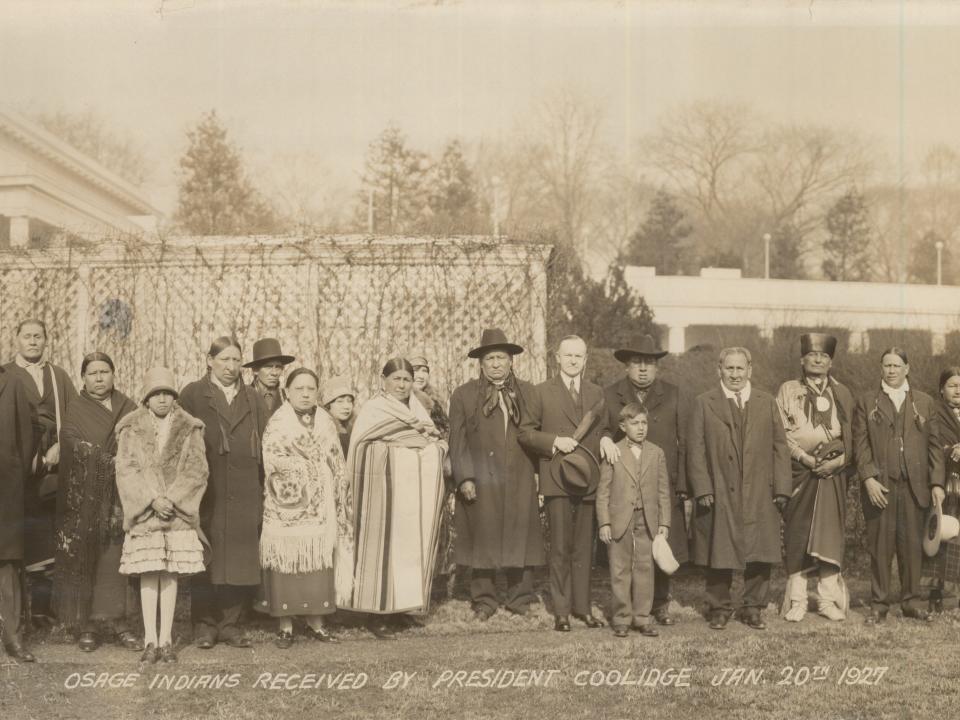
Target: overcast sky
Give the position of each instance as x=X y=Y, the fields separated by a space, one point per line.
x=324 y=78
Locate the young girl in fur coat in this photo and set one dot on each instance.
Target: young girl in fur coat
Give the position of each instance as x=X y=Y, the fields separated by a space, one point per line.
x=161 y=477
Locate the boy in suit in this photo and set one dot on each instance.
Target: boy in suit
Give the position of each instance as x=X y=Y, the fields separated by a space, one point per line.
x=633 y=497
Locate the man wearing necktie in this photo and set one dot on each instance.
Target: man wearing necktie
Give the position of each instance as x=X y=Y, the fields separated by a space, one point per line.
x=497 y=516
x=556 y=409
x=267 y=365
x=738 y=469
x=668 y=412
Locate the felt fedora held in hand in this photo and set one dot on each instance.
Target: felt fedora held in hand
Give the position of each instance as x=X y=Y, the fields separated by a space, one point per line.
x=494 y=339
x=644 y=346
x=157 y=379
x=938 y=528
x=266 y=350
x=577 y=472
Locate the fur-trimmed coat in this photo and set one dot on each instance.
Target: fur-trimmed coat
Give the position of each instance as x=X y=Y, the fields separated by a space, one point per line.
x=178 y=471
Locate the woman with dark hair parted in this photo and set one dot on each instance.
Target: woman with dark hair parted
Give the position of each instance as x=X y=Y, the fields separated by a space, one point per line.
x=939 y=569
x=87 y=585
x=306 y=547
x=395 y=465
x=899 y=462
x=234 y=418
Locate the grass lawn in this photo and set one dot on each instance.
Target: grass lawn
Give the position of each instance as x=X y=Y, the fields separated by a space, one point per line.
x=921 y=679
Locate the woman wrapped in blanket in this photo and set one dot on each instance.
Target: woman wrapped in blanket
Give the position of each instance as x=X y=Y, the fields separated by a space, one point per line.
x=395 y=466
x=306 y=547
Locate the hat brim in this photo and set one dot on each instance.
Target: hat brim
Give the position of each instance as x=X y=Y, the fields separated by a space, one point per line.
x=285 y=359
x=624 y=355
x=160 y=388
x=593 y=478
x=508 y=348
x=931 y=530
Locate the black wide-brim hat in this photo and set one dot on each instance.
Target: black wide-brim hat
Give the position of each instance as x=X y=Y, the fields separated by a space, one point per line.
x=644 y=345
x=494 y=339
x=266 y=350
x=577 y=472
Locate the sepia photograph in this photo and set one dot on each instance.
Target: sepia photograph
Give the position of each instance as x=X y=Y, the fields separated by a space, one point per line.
x=395 y=359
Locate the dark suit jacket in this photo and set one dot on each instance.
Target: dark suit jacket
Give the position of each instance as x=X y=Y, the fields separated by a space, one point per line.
x=620 y=484
x=553 y=414
x=873 y=429
x=743 y=525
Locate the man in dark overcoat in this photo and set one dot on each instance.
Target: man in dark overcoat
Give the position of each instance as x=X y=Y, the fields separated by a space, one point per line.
x=497 y=515
x=668 y=414
x=900 y=464
x=557 y=408
x=49 y=391
x=16 y=442
x=738 y=469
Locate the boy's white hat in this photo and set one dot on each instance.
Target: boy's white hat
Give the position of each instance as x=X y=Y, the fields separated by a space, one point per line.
x=663 y=556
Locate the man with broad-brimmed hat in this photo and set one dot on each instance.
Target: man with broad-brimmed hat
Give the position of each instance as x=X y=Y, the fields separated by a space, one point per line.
x=569 y=474
x=668 y=411
x=497 y=516
x=267 y=365
x=817 y=412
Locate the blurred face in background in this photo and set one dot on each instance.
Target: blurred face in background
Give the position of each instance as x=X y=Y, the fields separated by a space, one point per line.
x=642 y=370
x=341 y=408
x=951 y=391
x=421 y=376
x=269 y=374
x=161 y=403
x=225 y=366
x=735 y=372
x=98 y=380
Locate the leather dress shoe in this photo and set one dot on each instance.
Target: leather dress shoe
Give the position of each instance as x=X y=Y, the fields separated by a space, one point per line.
x=561 y=623
x=168 y=654
x=483 y=612
x=663 y=617
x=205 y=642
x=620 y=631
x=239 y=641
x=753 y=619
x=648 y=630
x=875 y=617
x=88 y=641
x=718 y=621
x=150 y=655
x=128 y=640
x=936 y=605
x=17 y=651
x=283 y=639
x=323 y=635
x=590 y=621
x=917 y=614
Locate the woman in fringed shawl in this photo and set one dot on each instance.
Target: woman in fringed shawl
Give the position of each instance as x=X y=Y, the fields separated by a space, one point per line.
x=306 y=546
x=936 y=568
x=87 y=583
x=234 y=418
x=395 y=465
x=816 y=411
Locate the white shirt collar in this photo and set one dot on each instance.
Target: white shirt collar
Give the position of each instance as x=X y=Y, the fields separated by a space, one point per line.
x=24 y=363
x=902 y=390
x=229 y=390
x=566 y=381
x=731 y=395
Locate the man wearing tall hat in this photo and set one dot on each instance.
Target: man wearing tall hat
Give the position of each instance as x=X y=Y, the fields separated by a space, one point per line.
x=738 y=469
x=267 y=365
x=567 y=418
x=817 y=412
x=497 y=518
x=668 y=411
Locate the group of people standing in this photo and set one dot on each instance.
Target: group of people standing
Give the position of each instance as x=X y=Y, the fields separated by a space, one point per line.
x=283 y=496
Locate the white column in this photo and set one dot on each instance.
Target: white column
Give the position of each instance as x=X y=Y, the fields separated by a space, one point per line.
x=19 y=232
x=859 y=341
x=938 y=342
x=677 y=339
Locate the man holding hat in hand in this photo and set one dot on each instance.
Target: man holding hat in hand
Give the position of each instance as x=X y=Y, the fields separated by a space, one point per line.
x=817 y=412
x=497 y=516
x=668 y=410
x=267 y=365
x=557 y=410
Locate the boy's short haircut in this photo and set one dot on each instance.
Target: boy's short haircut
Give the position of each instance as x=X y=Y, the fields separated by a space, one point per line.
x=631 y=410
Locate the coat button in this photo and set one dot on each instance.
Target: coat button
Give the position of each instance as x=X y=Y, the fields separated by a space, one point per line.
x=491 y=453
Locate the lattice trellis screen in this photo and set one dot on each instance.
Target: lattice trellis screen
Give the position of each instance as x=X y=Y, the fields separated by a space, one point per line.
x=339 y=304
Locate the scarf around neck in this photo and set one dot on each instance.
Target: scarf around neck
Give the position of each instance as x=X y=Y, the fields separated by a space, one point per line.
x=492 y=395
